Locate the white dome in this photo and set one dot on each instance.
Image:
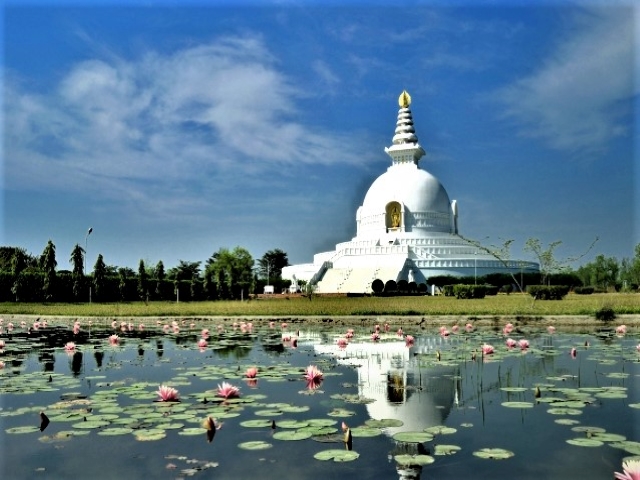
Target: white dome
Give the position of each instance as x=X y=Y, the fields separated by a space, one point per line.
x=424 y=202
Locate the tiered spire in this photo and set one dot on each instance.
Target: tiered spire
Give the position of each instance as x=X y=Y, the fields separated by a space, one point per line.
x=405 y=146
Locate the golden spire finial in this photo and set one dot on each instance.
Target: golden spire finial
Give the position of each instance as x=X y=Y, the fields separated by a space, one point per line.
x=404 y=100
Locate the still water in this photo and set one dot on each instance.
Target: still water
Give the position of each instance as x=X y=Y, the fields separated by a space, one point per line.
x=550 y=413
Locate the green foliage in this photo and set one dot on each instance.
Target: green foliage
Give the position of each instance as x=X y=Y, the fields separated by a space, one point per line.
x=605 y=314
x=271 y=264
x=462 y=291
x=143 y=292
x=48 y=265
x=99 y=277
x=548 y=292
x=583 y=290
x=229 y=274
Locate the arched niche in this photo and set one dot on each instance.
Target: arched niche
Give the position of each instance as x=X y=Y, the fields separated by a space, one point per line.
x=394 y=216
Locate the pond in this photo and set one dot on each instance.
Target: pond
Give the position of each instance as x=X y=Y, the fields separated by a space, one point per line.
x=82 y=401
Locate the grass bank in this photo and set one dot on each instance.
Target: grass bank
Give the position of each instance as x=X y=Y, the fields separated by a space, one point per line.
x=283 y=306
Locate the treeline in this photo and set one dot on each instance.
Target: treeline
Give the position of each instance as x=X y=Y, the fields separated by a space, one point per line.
x=226 y=275
x=234 y=274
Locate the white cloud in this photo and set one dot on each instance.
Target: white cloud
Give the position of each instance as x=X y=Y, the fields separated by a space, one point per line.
x=576 y=100
x=157 y=131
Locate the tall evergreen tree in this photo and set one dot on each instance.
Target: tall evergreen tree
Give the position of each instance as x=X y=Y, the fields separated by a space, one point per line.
x=142 y=281
x=99 y=276
x=77 y=273
x=159 y=275
x=48 y=265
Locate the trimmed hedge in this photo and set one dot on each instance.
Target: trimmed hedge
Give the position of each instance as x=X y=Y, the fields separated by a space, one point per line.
x=548 y=292
x=583 y=290
x=462 y=291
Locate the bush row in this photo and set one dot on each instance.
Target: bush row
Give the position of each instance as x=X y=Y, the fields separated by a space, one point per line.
x=548 y=292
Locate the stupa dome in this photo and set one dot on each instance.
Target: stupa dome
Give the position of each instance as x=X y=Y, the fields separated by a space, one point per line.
x=423 y=199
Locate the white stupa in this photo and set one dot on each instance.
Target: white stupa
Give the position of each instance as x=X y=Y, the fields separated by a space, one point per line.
x=407 y=229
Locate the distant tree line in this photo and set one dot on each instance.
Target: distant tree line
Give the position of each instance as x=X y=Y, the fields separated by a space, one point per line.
x=226 y=275
x=234 y=274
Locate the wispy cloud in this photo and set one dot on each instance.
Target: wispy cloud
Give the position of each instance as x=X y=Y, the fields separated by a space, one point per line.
x=573 y=100
x=157 y=131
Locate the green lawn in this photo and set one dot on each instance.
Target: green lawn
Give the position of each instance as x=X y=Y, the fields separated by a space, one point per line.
x=515 y=304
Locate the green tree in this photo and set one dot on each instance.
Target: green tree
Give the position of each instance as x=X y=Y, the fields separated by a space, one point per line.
x=48 y=265
x=77 y=260
x=184 y=271
x=229 y=273
x=142 y=281
x=19 y=261
x=630 y=271
x=123 y=274
x=604 y=272
x=159 y=275
x=99 y=276
x=272 y=263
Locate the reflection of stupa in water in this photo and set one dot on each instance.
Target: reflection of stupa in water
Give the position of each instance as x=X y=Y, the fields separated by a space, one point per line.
x=390 y=374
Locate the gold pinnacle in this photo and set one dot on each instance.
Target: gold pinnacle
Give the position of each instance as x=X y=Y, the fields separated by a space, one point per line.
x=404 y=100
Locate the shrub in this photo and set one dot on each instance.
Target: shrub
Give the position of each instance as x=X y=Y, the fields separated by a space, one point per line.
x=583 y=290
x=606 y=314
x=377 y=286
x=506 y=289
x=548 y=292
x=462 y=291
x=490 y=289
x=447 y=290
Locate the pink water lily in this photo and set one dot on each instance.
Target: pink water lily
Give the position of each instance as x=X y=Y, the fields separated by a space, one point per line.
x=252 y=372
x=510 y=343
x=631 y=470
x=202 y=343
x=523 y=344
x=70 y=347
x=226 y=390
x=409 y=340
x=168 y=394
x=508 y=328
x=551 y=329
x=621 y=329
x=342 y=342
x=114 y=339
x=487 y=349
x=313 y=373
x=574 y=353
x=375 y=336
x=468 y=327
x=638 y=347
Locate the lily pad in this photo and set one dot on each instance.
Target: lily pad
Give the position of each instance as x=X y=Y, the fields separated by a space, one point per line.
x=517 y=404
x=440 y=430
x=413 y=437
x=494 y=453
x=364 y=432
x=446 y=449
x=292 y=435
x=413 y=460
x=585 y=442
x=255 y=445
x=336 y=455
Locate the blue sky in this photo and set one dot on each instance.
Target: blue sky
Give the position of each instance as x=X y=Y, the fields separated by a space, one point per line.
x=176 y=128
